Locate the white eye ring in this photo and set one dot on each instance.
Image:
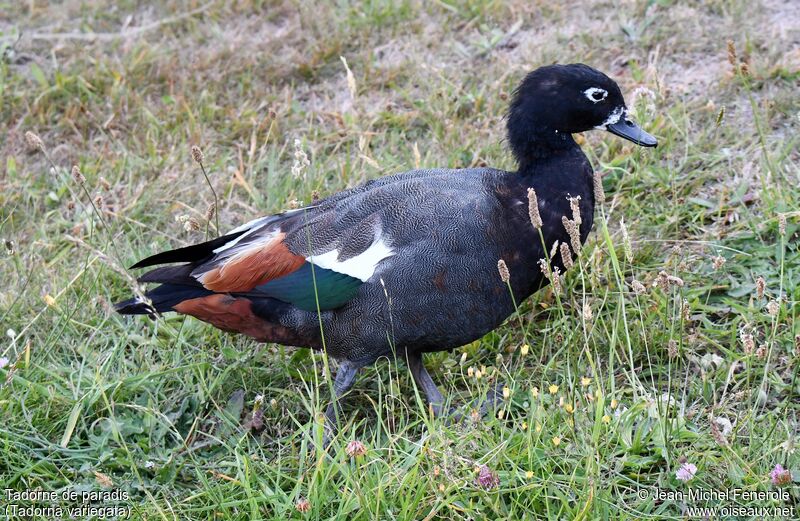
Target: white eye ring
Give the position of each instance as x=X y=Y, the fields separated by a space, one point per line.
x=595 y=94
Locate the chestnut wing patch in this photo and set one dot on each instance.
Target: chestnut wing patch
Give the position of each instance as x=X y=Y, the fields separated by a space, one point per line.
x=255 y=262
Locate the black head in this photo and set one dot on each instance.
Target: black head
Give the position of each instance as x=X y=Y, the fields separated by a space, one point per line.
x=558 y=100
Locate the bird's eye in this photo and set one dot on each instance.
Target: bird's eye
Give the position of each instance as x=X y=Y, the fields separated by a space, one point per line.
x=595 y=94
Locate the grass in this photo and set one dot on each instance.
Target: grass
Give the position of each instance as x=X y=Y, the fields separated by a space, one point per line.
x=618 y=388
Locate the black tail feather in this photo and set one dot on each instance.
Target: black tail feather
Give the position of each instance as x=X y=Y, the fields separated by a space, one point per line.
x=193 y=253
x=162 y=299
x=177 y=281
x=181 y=274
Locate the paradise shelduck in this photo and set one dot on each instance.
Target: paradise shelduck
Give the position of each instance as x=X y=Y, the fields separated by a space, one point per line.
x=408 y=264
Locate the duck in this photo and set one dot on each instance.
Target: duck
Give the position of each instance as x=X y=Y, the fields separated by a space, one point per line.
x=407 y=264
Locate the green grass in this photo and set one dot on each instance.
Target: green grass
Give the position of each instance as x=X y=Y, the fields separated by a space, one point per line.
x=645 y=381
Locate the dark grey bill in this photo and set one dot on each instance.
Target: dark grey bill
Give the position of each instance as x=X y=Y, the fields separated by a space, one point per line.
x=625 y=128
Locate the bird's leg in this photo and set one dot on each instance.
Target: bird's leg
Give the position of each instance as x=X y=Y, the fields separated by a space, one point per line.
x=434 y=396
x=345 y=377
x=425 y=382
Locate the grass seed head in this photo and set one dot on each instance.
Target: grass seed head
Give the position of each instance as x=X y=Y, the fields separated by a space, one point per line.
x=661 y=280
x=761 y=286
x=502 y=268
x=301 y=162
x=773 y=307
x=599 y=194
x=77 y=175
x=665 y=280
x=626 y=242
x=545 y=267
x=748 y=342
x=720 y=116
x=782 y=224
x=672 y=349
x=557 y=287
x=553 y=250
x=191 y=224
x=103 y=480
x=718 y=262
x=685 y=315
x=33 y=141
x=575 y=207
x=566 y=256
x=744 y=69
x=211 y=211
x=732 y=53
x=586 y=312
x=533 y=209
x=197 y=155
x=717 y=434
x=574 y=233
x=638 y=287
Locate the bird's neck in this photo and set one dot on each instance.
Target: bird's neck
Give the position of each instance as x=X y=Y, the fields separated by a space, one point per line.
x=542 y=146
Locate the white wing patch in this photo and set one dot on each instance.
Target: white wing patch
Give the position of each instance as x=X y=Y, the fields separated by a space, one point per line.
x=254 y=225
x=362 y=266
x=251 y=227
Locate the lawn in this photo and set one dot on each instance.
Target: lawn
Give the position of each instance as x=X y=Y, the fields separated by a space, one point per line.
x=672 y=352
